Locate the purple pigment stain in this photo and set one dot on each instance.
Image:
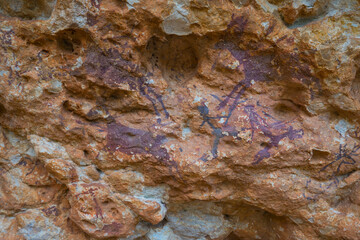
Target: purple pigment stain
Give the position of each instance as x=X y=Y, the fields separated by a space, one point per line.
x=51 y=211
x=238 y=24
x=96 y=3
x=113 y=228
x=136 y=141
x=345 y=156
x=6 y=37
x=114 y=71
x=257 y=68
x=91 y=191
x=260 y=68
x=260 y=123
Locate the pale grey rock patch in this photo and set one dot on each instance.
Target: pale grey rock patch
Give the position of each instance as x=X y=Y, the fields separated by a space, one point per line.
x=162 y=233
x=141 y=229
x=177 y=22
x=40 y=230
x=198 y=220
x=55 y=86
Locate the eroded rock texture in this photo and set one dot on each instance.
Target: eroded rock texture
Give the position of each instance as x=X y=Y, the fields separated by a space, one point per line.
x=179 y=119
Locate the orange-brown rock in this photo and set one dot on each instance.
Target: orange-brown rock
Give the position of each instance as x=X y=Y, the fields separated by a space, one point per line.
x=62 y=170
x=97 y=213
x=149 y=210
x=179 y=119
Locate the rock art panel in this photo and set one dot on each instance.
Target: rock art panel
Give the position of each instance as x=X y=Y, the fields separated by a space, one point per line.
x=179 y=119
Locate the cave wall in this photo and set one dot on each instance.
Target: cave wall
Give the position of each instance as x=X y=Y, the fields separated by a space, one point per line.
x=179 y=119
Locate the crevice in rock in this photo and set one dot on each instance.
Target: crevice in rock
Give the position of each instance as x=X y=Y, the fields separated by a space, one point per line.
x=27 y=9
x=232 y=236
x=65 y=44
x=355 y=86
x=303 y=21
x=2 y=109
x=297 y=14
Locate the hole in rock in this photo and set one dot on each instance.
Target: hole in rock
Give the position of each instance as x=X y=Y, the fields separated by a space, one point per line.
x=319 y=154
x=86 y=153
x=175 y=57
x=27 y=9
x=65 y=44
x=71 y=40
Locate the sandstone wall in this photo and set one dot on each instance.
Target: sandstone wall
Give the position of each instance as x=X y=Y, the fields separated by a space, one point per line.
x=179 y=119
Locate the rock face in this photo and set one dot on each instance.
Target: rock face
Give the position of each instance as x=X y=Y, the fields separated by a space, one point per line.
x=179 y=119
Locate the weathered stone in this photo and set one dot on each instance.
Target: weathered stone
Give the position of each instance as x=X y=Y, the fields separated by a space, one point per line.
x=142 y=228
x=149 y=210
x=162 y=233
x=62 y=170
x=44 y=148
x=34 y=225
x=198 y=221
x=38 y=9
x=20 y=187
x=179 y=119
x=8 y=228
x=97 y=213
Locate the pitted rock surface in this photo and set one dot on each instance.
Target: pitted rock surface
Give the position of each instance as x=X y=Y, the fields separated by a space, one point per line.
x=180 y=119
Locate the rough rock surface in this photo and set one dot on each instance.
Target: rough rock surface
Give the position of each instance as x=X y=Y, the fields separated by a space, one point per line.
x=179 y=119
